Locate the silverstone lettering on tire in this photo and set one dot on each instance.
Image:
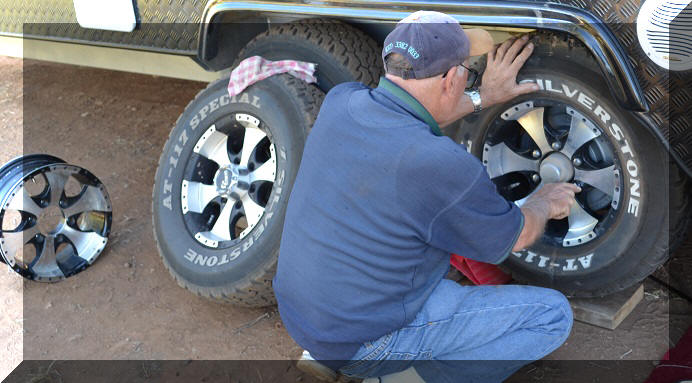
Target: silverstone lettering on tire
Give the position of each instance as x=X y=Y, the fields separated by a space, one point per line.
x=609 y=149
x=613 y=129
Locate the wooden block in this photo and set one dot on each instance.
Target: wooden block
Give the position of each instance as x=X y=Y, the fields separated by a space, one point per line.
x=608 y=311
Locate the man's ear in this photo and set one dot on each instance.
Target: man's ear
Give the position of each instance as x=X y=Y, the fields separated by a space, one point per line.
x=449 y=81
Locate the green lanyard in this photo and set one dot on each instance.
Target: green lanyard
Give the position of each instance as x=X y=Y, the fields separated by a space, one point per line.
x=412 y=102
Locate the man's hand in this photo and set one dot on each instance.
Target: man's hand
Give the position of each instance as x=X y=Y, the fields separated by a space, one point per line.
x=557 y=197
x=500 y=77
x=552 y=201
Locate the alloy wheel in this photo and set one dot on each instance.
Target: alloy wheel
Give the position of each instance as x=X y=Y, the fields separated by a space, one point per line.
x=537 y=142
x=55 y=217
x=230 y=180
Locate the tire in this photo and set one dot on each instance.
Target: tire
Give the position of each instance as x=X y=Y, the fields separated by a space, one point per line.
x=633 y=233
x=221 y=259
x=342 y=53
x=680 y=206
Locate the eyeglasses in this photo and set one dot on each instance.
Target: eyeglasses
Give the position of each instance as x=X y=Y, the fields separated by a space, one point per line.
x=471 y=80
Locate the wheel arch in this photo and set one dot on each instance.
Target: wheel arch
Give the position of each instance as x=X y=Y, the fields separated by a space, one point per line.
x=227 y=33
x=496 y=16
x=582 y=24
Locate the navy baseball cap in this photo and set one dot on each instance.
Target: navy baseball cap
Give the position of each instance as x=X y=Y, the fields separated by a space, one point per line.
x=433 y=42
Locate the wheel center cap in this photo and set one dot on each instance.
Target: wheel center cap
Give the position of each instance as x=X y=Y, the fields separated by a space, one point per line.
x=50 y=219
x=556 y=167
x=226 y=179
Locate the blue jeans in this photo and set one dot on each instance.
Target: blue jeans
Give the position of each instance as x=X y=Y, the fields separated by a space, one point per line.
x=470 y=334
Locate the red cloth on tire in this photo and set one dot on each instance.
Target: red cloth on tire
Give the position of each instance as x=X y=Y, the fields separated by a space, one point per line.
x=478 y=272
x=676 y=364
x=256 y=68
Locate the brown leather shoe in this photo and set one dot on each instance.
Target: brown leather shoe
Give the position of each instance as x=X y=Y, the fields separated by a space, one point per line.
x=309 y=365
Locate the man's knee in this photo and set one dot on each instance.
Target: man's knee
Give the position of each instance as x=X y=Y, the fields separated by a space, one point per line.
x=561 y=318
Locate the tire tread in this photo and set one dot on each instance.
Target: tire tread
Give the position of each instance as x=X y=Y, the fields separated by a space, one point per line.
x=354 y=49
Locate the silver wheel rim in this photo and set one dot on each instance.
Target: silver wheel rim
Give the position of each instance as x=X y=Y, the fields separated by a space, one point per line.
x=55 y=233
x=557 y=160
x=233 y=185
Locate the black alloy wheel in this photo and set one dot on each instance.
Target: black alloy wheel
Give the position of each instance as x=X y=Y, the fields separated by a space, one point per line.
x=544 y=141
x=229 y=180
x=55 y=218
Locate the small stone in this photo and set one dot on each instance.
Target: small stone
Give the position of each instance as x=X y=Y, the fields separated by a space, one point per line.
x=84 y=114
x=98 y=102
x=127 y=265
x=75 y=338
x=49 y=305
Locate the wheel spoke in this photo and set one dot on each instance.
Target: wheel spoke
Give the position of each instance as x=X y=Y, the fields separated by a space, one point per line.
x=222 y=227
x=601 y=179
x=13 y=242
x=86 y=244
x=581 y=225
x=521 y=202
x=266 y=172
x=502 y=160
x=195 y=196
x=213 y=145
x=25 y=203
x=252 y=137
x=581 y=131
x=46 y=263
x=253 y=211
x=91 y=200
x=56 y=182
x=532 y=122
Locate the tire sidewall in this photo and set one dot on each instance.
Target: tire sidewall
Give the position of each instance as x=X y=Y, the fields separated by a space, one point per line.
x=274 y=105
x=642 y=204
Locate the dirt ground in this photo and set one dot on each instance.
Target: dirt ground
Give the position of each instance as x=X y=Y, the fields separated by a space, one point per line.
x=11 y=315
x=127 y=307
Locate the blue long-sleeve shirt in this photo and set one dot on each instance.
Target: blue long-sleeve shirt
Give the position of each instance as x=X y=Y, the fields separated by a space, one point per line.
x=379 y=203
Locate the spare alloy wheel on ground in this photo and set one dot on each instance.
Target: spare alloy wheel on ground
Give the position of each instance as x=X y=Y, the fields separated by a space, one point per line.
x=55 y=218
x=570 y=131
x=227 y=169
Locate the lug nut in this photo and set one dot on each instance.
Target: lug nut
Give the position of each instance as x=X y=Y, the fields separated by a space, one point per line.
x=556 y=145
x=576 y=162
x=536 y=153
x=536 y=178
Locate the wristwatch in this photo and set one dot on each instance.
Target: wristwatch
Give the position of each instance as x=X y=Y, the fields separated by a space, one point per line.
x=475 y=96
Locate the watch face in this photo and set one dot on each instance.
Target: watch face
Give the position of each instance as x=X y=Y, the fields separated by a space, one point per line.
x=475 y=99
